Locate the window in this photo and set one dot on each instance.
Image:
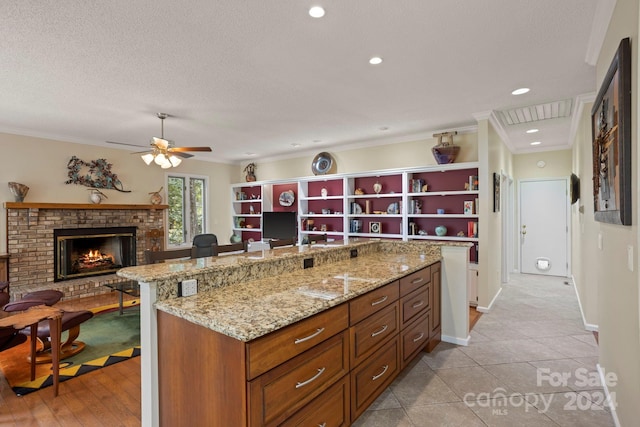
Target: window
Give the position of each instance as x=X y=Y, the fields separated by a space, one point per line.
x=187 y=208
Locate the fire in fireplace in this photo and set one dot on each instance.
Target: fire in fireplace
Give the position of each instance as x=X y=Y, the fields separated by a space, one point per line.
x=81 y=252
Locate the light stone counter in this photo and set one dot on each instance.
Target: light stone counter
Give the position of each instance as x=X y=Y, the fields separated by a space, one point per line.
x=249 y=310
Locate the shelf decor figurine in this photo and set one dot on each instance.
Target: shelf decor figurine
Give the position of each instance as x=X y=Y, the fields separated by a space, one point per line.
x=96 y=195
x=156 y=197
x=377 y=187
x=441 y=230
x=19 y=191
x=250 y=169
x=445 y=151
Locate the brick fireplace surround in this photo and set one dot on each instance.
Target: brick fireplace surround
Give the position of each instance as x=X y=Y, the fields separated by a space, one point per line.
x=30 y=242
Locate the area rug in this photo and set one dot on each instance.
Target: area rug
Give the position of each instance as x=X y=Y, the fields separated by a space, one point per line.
x=109 y=337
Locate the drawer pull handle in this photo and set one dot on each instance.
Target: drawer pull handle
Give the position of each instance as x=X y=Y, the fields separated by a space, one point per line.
x=313 y=378
x=380 y=301
x=418 y=338
x=313 y=335
x=384 y=328
x=417 y=304
x=384 y=371
x=418 y=280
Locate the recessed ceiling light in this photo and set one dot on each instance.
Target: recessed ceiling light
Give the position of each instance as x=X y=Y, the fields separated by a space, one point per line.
x=532 y=130
x=295 y=145
x=520 y=91
x=375 y=60
x=317 y=140
x=536 y=143
x=248 y=153
x=316 y=12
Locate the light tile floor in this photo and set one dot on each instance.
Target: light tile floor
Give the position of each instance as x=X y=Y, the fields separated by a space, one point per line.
x=533 y=334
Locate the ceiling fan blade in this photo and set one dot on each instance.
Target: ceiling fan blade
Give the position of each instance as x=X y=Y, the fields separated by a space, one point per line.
x=123 y=143
x=182 y=149
x=183 y=155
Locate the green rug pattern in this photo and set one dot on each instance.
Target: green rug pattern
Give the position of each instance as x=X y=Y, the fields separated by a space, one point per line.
x=109 y=337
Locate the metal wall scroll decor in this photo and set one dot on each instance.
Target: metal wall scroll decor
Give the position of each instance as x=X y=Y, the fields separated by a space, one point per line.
x=611 y=129
x=94 y=174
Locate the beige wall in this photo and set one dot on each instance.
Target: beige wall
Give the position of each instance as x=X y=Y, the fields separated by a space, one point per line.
x=399 y=155
x=494 y=156
x=41 y=164
x=557 y=165
x=603 y=274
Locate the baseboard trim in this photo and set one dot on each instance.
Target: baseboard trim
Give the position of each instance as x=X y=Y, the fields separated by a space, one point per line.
x=587 y=326
x=456 y=340
x=610 y=403
x=488 y=309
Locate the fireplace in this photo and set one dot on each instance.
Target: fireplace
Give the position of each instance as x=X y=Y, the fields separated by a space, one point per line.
x=82 y=252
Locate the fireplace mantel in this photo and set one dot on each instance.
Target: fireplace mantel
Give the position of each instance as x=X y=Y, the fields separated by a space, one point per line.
x=22 y=205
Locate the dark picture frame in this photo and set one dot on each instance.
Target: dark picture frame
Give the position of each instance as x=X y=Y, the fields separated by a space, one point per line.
x=496 y=192
x=611 y=139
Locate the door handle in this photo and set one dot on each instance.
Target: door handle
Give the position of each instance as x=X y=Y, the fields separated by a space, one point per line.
x=524 y=230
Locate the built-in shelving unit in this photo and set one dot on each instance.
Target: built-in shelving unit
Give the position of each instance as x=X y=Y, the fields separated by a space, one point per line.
x=407 y=204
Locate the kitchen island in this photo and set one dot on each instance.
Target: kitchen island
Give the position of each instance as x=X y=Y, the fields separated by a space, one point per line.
x=267 y=341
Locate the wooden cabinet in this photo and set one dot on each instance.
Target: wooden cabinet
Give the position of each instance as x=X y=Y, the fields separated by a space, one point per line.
x=323 y=370
x=331 y=408
x=271 y=350
x=435 y=318
x=279 y=393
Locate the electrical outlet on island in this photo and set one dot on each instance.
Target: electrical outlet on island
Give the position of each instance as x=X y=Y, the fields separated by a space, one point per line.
x=189 y=287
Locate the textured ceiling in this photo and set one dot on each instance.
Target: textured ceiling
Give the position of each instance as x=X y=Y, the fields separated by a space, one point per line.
x=262 y=76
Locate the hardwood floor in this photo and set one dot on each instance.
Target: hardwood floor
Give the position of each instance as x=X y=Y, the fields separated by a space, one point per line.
x=107 y=397
x=474 y=316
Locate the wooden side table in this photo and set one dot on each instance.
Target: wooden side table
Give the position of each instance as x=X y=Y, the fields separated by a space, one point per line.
x=31 y=318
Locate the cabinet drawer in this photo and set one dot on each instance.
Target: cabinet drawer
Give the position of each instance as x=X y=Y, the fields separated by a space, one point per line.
x=279 y=393
x=330 y=409
x=369 y=303
x=271 y=350
x=414 y=304
x=369 y=334
x=414 y=338
x=371 y=378
x=414 y=280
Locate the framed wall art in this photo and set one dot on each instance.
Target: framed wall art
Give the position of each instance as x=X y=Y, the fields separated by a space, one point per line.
x=611 y=130
x=496 y=192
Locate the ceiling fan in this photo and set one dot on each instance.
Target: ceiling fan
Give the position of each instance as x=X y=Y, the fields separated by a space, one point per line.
x=164 y=151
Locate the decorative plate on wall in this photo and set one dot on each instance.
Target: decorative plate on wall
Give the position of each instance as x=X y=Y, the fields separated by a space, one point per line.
x=287 y=198
x=322 y=163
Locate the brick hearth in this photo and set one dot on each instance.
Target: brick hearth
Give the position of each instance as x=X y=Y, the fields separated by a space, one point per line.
x=30 y=241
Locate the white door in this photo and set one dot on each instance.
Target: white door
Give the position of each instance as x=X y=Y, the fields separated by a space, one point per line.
x=544 y=227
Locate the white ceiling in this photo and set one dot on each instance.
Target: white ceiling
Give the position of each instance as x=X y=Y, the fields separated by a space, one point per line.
x=247 y=76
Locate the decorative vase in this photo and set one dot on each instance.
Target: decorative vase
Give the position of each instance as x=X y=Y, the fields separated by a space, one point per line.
x=235 y=238
x=377 y=187
x=445 y=151
x=156 y=197
x=96 y=196
x=18 y=190
x=441 y=230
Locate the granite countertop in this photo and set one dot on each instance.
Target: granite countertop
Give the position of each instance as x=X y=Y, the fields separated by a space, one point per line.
x=248 y=310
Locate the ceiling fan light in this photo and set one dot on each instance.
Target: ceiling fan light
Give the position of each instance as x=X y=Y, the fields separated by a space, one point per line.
x=147 y=158
x=174 y=160
x=160 y=159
